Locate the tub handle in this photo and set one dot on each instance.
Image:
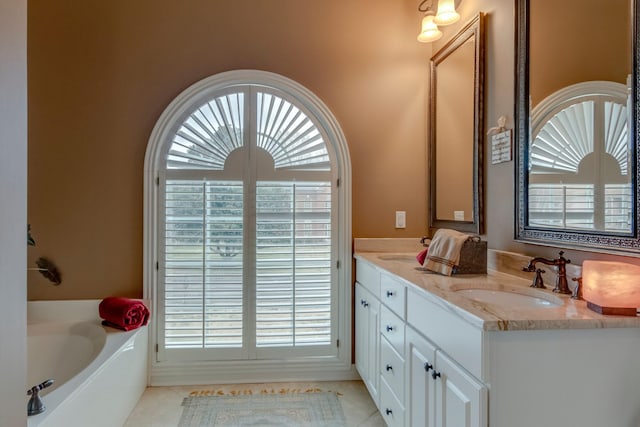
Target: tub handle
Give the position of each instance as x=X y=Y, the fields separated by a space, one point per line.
x=35 y=405
x=37 y=388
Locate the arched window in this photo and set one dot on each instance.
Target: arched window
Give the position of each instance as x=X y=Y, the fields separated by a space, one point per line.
x=579 y=159
x=248 y=227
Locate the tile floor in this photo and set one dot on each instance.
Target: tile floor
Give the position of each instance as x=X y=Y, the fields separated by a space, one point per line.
x=160 y=406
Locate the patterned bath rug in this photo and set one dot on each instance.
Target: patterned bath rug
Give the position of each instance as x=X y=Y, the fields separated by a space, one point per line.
x=321 y=409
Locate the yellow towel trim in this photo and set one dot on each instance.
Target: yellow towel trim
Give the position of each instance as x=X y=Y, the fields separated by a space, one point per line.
x=222 y=392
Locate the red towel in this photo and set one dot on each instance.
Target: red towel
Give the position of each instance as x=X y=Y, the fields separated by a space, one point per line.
x=123 y=313
x=422 y=256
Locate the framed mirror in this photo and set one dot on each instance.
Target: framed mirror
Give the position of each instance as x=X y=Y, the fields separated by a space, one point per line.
x=457 y=131
x=577 y=106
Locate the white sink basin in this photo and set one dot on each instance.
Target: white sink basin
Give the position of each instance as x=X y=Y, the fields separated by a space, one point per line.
x=513 y=298
x=396 y=257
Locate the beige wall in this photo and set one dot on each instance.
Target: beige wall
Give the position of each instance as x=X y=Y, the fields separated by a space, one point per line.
x=100 y=74
x=580 y=40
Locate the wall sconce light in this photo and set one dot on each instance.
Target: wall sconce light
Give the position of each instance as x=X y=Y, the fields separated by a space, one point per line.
x=429 y=31
x=446 y=15
x=611 y=287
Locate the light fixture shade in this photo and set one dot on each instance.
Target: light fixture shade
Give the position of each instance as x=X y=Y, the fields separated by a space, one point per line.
x=611 y=287
x=446 y=13
x=429 y=32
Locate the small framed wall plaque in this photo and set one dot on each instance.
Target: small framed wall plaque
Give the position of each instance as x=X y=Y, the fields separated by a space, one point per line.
x=501 y=147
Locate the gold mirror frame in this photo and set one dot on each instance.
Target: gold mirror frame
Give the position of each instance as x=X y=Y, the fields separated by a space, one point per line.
x=628 y=243
x=474 y=29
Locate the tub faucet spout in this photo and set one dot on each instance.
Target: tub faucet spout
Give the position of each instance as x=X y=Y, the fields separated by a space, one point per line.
x=35 y=405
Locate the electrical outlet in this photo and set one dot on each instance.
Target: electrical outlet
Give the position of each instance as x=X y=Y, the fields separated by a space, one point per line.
x=458 y=215
x=401 y=219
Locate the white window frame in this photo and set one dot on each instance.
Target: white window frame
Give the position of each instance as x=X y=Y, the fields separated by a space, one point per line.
x=328 y=368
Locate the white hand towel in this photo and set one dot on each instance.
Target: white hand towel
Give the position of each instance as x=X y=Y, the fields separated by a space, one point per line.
x=444 y=251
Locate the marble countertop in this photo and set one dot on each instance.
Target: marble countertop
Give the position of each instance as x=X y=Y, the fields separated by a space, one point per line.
x=564 y=313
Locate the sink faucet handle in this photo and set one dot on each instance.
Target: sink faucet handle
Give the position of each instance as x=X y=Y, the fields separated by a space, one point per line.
x=537 y=281
x=577 y=291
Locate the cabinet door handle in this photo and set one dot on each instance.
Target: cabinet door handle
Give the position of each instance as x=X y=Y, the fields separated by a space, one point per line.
x=364 y=303
x=389 y=328
x=389 y=294
x=428 y=366
x=389 y=368
x=388 y=411
x=435 y=374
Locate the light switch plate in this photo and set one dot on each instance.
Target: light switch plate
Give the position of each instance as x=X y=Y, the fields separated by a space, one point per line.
x=401 y=219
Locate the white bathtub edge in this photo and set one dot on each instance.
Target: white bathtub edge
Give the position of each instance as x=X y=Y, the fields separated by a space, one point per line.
x=106 y=391
x=106 y=396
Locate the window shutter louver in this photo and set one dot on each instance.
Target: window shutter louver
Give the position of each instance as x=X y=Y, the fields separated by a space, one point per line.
x=209 y=134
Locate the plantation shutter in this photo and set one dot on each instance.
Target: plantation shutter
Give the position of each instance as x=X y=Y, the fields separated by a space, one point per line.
x=203 y=290
x=248 y=268
x=293 y=266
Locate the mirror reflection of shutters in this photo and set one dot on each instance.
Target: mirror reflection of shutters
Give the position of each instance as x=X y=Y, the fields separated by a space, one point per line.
x=561 y=193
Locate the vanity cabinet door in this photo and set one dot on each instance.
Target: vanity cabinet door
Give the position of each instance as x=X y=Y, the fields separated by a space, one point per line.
x=367 y=313
x=461 y=401
x=439 y=392
x=420 y=387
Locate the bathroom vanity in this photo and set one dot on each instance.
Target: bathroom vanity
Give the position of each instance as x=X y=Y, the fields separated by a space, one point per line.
x=487 y=350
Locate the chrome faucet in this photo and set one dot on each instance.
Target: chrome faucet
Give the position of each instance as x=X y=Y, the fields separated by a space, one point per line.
x=35 y=405
x=562 y=286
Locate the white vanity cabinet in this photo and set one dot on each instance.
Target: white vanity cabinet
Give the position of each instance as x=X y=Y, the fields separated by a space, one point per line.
x=461 y=400
x=368 y=339
x=392 y=344
x=421 y=401
x=406 y=393
x=367 y=319
x=440 y=393
x=449 y=362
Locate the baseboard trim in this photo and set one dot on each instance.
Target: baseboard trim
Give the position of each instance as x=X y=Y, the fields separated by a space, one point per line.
x=168 y=374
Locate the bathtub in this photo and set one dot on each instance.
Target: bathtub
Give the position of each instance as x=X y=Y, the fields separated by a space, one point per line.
x=99 y=373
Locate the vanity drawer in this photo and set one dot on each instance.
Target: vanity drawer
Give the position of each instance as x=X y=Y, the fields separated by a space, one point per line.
x=392 y=369
x=448 y=331
x=391 y=409
x=392 y=328
x=393 y=294
x=368 y=276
